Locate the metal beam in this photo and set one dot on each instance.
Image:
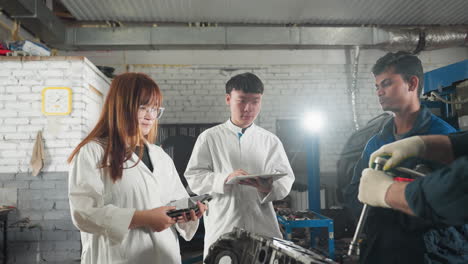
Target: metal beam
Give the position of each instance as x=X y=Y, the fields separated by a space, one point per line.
x=37 y=18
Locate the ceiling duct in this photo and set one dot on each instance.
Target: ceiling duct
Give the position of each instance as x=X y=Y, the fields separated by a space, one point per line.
x=416 y=40
x=38 y=19
x=236 y=37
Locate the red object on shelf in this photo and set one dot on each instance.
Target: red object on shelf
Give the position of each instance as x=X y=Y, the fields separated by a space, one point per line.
x=3 y=50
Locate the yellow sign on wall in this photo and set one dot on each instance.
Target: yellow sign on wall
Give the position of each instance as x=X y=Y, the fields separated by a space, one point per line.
x=56 y=101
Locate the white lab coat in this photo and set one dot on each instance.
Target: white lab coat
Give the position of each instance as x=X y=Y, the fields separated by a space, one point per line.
x=218 y=152
x=102 y=210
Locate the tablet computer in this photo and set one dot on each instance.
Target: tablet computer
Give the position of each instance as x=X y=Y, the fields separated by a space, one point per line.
x=186 y=204
x=275 y=176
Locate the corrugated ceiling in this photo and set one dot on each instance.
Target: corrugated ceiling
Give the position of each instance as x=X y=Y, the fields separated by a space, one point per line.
x=315 y=12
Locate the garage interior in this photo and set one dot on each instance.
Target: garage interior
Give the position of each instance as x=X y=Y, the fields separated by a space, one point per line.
x=311 y=56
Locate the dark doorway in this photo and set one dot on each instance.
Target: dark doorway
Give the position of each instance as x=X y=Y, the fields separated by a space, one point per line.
x=178 y=140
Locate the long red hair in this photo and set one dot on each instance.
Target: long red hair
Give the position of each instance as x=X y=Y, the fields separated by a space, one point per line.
x=117 y=129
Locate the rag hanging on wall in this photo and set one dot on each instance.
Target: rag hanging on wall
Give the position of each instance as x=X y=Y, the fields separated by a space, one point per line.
x=37 y=158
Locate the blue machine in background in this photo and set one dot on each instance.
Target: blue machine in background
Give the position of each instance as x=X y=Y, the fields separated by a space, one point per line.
x=445 y=77
x=442 y=83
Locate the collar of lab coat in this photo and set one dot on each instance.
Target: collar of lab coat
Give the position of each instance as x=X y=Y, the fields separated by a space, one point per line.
x=154 y=156
x=237 y=129
x=134 y=156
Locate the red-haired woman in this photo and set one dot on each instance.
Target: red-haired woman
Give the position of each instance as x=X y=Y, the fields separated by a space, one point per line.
x=119 y=183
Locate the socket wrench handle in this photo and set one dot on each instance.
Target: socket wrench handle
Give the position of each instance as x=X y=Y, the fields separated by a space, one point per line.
x=353 y=246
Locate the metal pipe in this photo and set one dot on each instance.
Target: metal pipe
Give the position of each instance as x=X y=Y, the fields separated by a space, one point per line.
x=353 y=246
x=353 y=89
x=313 y=172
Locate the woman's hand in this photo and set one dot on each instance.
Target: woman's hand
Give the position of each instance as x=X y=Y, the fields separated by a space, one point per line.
x=155 y=219
x=192 y=216
x=159 y=220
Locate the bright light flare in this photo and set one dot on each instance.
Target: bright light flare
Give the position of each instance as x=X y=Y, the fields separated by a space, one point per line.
x=313 y=121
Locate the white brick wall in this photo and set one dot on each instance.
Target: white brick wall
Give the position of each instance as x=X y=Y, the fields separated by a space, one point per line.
x=290 y=91
x=43 y=200
x=193 y=87
x=295 y=81
x=20 y=108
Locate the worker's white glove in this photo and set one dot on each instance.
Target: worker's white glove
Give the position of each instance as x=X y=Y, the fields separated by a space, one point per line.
x=399 y=150
x=373 y=187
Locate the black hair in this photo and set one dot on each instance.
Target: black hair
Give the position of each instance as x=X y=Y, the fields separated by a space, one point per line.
x=403 y=63
x=246 y=82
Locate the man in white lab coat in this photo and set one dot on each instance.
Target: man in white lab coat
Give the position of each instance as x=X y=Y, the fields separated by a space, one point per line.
x=239 y=147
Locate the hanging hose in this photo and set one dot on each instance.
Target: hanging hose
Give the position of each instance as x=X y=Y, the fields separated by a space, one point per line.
x=353 y=89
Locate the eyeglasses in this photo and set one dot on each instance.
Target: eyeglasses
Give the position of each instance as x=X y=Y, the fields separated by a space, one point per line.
x=158 y=111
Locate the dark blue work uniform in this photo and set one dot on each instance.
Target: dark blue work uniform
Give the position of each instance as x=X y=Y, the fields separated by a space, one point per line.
x=392 y=236
x=442 y=197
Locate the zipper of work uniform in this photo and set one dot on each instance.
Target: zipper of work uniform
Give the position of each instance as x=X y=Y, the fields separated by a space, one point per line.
x=239 y=137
